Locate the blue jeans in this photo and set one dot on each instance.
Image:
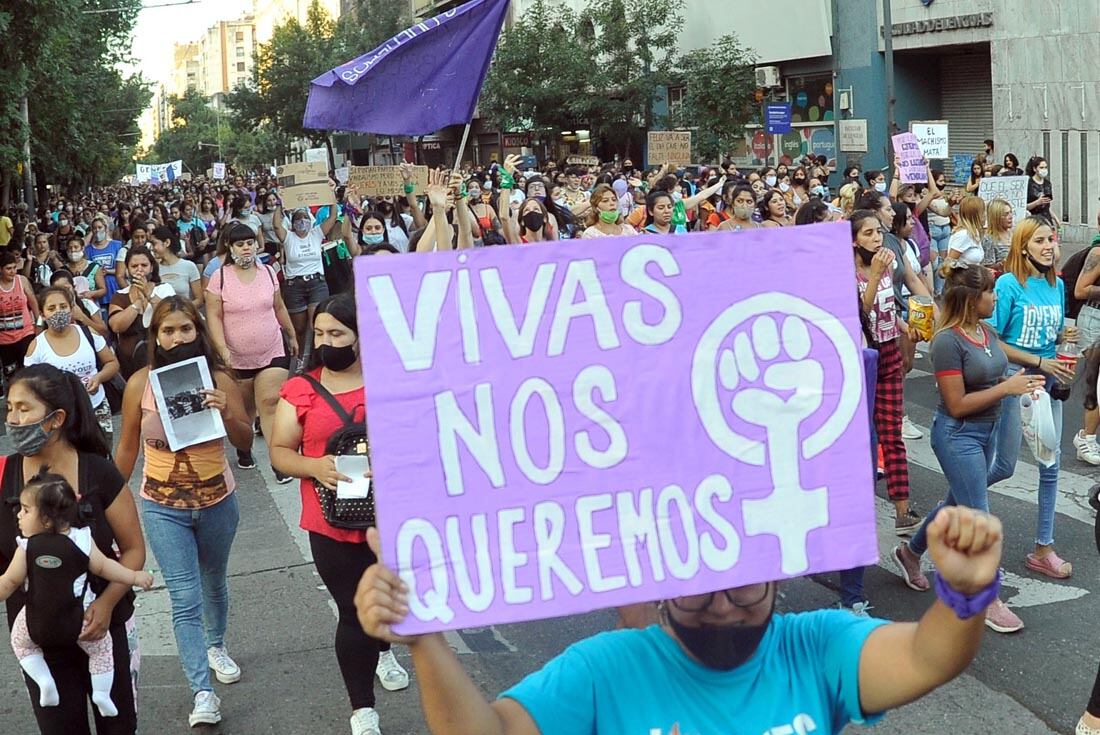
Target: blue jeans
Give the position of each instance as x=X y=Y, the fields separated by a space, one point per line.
x=940 y=235
x=964 y=449
x=192 y=549
x=1009 y=436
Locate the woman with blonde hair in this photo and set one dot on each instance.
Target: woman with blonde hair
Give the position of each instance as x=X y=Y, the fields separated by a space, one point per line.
x=965 y=244
x=1030 y=319
x=997 y=241
x=605 y=219
x=969 y=364
x=846 y=199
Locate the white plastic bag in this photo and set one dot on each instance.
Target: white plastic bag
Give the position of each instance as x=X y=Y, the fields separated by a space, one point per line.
x=1038 y=425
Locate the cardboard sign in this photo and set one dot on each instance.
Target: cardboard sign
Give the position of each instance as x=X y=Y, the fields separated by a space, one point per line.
x=526 y=467
x=912 y=168
x=315 y=194
x=375 y=181
x=669 y=146
x=1013 y=189
x=306 y=172
x=583 y=161
x=218 y=170
x=932 y=135
x=853 y=136
x=316 y=155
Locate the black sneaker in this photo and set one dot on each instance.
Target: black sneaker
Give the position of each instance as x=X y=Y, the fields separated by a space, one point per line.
x=245 y=460
x=907 y=525
x=280 y=477
x=256 y=430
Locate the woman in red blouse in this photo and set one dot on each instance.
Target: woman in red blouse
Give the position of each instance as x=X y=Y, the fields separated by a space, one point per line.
x=304 y=421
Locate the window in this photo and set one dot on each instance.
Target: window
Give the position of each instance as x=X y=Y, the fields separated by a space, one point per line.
x=240 y=52
x=240 y=36
x=675 y=101
x=240 y=66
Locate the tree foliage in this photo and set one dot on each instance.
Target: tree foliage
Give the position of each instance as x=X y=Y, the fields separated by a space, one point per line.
x=719 y=96
x=539 y=71
x=83 y=110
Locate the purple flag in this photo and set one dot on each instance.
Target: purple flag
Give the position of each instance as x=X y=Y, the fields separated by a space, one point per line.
x=425 y=78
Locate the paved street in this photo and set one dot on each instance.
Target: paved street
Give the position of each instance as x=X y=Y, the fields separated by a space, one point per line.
x=281 y=622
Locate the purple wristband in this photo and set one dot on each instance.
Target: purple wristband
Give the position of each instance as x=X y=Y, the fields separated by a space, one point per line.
x=967 y=606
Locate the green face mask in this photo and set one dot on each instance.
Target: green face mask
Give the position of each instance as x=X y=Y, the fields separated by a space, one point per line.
x=610 y=217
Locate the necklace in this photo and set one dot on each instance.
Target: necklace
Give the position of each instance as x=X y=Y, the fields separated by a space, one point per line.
x=984 y=344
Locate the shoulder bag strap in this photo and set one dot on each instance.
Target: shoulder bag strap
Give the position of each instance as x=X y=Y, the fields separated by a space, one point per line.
x=329 y=399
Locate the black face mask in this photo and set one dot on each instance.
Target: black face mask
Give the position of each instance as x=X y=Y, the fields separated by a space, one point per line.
x=1043 y=269
x=533 y=221
x=179 y=353
x=721 y=647
x=865 y=255
x=337 y=359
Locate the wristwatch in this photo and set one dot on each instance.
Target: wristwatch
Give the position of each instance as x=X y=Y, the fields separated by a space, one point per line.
x=967 y=606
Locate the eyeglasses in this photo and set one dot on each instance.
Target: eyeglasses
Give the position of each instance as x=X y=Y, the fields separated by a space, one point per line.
x=741 y=597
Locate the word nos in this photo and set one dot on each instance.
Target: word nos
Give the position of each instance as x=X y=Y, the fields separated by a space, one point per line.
x=524 y=407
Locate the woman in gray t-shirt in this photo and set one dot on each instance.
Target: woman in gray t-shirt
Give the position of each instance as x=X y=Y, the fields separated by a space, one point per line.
x=968 y=362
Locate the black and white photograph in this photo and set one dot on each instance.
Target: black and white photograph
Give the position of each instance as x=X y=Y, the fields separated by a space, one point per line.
x=178 y=390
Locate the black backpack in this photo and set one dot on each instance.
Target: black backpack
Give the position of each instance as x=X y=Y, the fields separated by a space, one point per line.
x=1070 y=271
x=351 y=438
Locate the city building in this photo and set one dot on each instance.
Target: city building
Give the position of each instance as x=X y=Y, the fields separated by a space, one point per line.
x=187 y=68
x=269 y=13
x=227 y=56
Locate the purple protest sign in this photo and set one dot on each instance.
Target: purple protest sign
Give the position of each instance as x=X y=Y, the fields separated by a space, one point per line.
x=559 y=428
x=912 y=168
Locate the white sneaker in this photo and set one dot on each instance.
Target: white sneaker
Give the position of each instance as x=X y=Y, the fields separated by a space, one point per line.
x=393 y=677
x=364 y=721
x=207 y=710
x=909 y=430
x=1087 y=448
x=225 y=669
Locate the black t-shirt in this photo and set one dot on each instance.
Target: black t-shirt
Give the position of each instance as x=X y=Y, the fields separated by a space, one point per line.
x=1036 y=190
x=100 y=484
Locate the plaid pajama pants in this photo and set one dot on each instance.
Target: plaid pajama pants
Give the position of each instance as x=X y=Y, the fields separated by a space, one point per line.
x=889 y=408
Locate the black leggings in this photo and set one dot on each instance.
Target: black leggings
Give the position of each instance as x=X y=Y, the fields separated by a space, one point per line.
x=341 y=565
x=11 y=356
x=69 y=666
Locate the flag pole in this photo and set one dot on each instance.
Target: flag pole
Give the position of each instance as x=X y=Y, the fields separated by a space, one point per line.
x=462 y=147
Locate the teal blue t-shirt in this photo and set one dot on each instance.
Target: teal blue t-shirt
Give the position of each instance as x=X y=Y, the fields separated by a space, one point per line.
x=804 y=676
x=1031 y=316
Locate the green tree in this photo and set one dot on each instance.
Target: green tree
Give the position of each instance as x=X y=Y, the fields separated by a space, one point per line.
x=719 y=96
x=539 y=72
x=631 y=61
x=193 y=121
x=367 y=24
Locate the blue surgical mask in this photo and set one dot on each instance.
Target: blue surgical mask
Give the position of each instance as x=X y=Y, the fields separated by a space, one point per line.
x=375 y=239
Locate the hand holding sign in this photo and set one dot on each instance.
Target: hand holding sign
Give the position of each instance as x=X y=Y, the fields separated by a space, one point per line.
x=381 y=598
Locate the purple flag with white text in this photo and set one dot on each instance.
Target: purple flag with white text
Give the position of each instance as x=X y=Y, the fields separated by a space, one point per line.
x=425 y=78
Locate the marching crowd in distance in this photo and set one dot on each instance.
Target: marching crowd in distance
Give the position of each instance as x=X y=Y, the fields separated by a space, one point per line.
x=100 y=287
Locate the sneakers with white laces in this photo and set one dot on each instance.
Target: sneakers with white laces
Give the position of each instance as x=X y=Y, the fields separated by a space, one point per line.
x=207 y=709
x=909 y=430
x=393 y=677
x=225 y=669
x=1087 y=448
x=364 y=721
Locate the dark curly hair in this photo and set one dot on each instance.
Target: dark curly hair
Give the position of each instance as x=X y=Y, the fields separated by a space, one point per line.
x=54 y=499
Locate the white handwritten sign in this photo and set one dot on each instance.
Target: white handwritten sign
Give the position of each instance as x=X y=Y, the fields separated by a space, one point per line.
x=1013 y=189
x=932 y=135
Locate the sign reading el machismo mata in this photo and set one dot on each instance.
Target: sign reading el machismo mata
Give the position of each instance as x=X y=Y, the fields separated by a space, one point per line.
x=560 y=428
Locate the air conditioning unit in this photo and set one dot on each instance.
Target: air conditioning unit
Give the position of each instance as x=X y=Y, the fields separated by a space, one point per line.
x=767 y=76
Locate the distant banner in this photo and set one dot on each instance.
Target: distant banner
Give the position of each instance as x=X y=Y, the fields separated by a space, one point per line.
x=147 y=172
x=558 y=430
x=583 y=161
x=1013 y=189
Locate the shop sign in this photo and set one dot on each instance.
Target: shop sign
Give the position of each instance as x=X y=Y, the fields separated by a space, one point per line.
x=950 y=23
x=853 y=136
x=517 y=140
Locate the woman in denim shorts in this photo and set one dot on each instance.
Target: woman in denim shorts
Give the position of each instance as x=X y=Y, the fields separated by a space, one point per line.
x=303 y=268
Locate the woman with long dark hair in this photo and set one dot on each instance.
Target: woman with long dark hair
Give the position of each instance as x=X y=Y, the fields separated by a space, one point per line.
x=51 y=424
x=304 y=421
x=188 y=501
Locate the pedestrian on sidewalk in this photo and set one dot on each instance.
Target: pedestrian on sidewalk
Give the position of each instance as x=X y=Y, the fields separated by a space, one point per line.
x=722 y=661
x=969 y=364
x=187 y=501
x=305 y=419
x=1030 y=320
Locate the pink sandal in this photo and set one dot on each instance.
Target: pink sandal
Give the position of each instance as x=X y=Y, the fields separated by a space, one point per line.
x=1051 y=565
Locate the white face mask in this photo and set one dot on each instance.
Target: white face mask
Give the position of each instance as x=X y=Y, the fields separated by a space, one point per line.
x=769 y=180
x=784 y=187
x=1042 y=173
x=880 y=186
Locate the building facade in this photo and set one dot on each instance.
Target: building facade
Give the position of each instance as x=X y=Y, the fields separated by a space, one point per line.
x=269 y=13
x=228 y=52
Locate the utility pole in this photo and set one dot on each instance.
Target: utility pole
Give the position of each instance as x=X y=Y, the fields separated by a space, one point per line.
x=28 y=173
x=888 y=48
